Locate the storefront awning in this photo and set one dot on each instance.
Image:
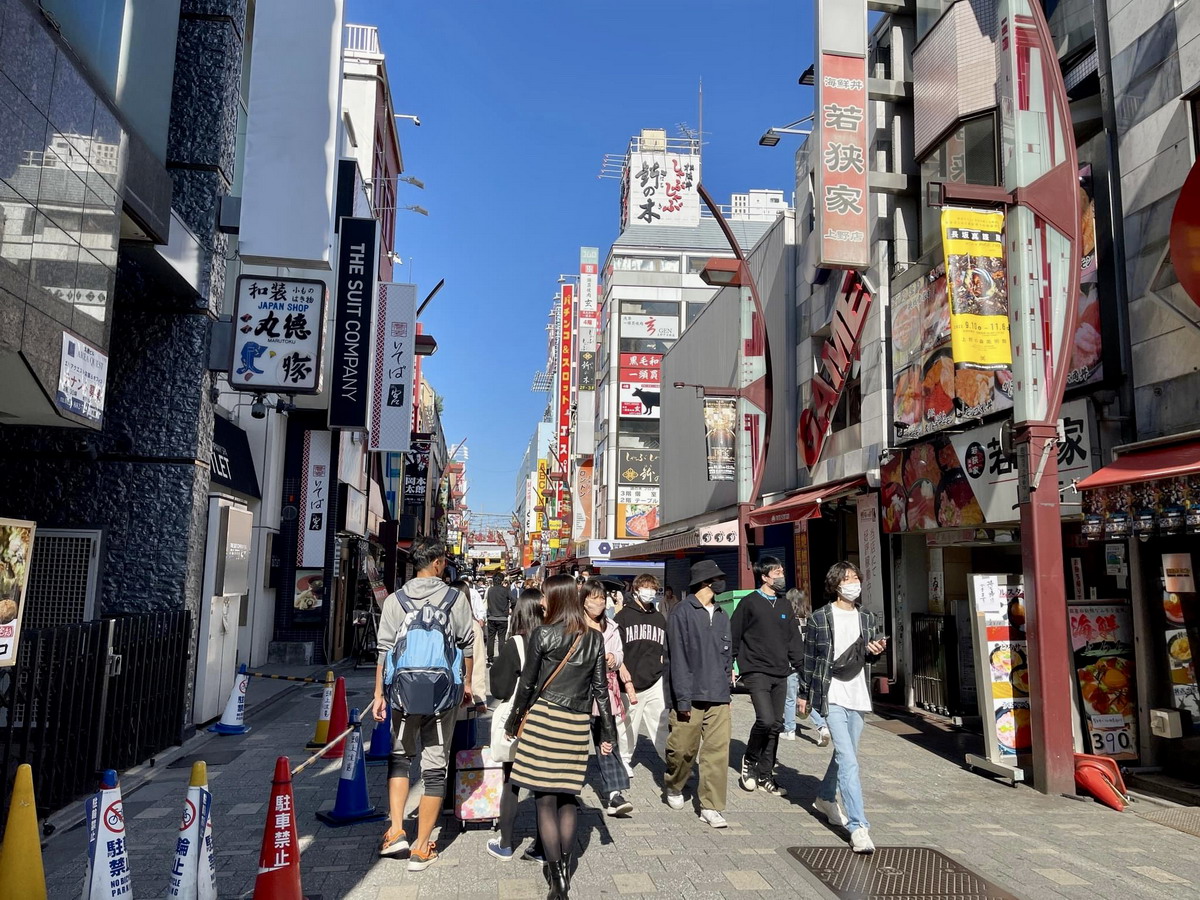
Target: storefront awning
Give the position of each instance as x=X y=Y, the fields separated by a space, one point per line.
x=230 y=464
x=1150 y=464
x=804 y=505
x=723 y=534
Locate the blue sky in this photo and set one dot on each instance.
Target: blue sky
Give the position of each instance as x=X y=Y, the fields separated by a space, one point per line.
x=519 y=101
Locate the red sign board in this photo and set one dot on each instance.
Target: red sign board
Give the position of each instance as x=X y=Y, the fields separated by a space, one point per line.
x=645 y=376
x=641 y=360
x=1185 y=235
x=564 y=375
x=841 y=201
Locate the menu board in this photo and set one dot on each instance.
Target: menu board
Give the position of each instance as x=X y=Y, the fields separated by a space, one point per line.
x=1002 y=667
x=1179 y=594
x=1102 y=652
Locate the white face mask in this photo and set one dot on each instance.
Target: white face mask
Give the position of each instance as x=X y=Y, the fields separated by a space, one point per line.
x=646 y=596
x=850 y=590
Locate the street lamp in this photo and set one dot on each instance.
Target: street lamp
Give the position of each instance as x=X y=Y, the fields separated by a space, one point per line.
x=417 y=209
x=416 y=120
x=771 y=136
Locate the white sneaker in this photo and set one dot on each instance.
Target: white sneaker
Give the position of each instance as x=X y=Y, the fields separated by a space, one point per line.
x=831 y=810
x=823 y=737
x=675 y=801
x=787 y=735
x=716 y=820
x=860 y=841
x=747 y=781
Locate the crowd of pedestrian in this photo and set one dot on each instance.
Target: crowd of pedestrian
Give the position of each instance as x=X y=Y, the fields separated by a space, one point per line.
x=583 y=666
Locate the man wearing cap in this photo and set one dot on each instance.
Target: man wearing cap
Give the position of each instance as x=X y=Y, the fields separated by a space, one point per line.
x=700 y=653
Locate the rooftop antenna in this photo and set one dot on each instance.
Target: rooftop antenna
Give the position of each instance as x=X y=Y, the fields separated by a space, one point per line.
x=700 y=147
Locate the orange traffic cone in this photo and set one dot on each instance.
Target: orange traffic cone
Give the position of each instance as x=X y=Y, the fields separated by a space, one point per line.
x=321 y=733
x=339 y=719
x=279 y=860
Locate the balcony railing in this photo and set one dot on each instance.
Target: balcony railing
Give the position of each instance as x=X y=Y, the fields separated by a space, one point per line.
x=362 y=39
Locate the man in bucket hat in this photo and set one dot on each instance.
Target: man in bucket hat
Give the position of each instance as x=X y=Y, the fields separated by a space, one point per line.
x=700 y=653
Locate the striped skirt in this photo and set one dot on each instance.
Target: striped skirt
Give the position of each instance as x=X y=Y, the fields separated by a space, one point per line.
x=552 y=754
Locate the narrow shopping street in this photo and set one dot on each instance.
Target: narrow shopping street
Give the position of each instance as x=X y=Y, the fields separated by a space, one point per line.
x=1036 y=847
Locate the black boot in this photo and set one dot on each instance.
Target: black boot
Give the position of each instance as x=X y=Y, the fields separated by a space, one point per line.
x=547 y=870
x=567 y=865
x=558 y=881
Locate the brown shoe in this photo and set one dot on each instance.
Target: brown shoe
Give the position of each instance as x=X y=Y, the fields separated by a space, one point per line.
x=419 y=862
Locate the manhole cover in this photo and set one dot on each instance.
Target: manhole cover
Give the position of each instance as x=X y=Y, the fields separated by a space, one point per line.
x=211 y=757
x=893 y=872
x=1185 y=819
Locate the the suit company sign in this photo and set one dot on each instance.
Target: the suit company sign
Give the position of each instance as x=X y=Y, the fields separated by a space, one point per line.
x=357 y=260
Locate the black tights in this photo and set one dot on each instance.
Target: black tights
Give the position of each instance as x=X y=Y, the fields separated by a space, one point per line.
x=509 y=795
x=557 y=815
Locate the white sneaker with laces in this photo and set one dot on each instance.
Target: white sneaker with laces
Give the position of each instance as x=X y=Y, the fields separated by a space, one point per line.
x=714 y=818
x=823 y=737
x=747 y=781
x=675 y=801
x=787 y=735
x=860 y=841
x=831 y=810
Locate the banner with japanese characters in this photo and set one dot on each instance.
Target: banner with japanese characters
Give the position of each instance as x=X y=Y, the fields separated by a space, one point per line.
x=565 y=358
x=1102 y=649
x=720 y=419
x=416 y=472
x=315 y=487
x=637 y=467
x=82 y=376
x=637 y=512
x=392 y=400
x=660 y=188
x=840 y=202
x=589 y=305
x=973 y=244
x=279 y=326
x=638 y=400
x=650 y=327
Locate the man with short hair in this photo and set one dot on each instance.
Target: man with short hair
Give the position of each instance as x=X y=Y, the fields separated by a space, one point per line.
x=428 y=735
x=499 y=607
x=644 y=634
x=767 y=648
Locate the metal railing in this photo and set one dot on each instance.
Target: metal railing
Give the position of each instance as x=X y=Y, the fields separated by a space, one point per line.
x=935 y=679
x=362 y=39
x=92 y=696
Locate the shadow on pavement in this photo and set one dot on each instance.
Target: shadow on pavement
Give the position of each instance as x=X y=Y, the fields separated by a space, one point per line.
x=948 y=741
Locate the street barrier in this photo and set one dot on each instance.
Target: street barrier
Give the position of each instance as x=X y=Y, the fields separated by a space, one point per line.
x=108 y=874
x=381 y=739
x=22 y=876
x=353 y=802
x=234 y=717
x=338 y=720
x=194 y=874
x=321 y=734
x=307 y=679
x=279 y=859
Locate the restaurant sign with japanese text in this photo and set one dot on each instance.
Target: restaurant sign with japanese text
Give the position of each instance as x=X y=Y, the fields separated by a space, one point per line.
x=840 y=184
x=637 y=467
x=278 y=329
x=392 y=400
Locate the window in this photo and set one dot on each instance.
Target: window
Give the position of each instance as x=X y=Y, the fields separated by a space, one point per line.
x=696 y=264
x=641 y=345
x=928 y=13
x=638 y=434
x=649 y=308
x=646 y=263
x=967 y=156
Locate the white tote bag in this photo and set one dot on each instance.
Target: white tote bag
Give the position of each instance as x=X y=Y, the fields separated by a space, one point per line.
x=502 y=748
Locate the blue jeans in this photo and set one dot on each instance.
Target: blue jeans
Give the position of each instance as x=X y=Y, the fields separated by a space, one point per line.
x=789 y=707
x=845 y=727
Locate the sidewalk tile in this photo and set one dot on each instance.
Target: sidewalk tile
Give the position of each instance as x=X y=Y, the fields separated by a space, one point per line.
x=1061 y=876
x=634 y=883
x=747 y=880
x=1156 y=874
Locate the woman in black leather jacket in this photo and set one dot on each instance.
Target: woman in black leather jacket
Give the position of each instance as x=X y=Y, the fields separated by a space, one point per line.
x=564 y=675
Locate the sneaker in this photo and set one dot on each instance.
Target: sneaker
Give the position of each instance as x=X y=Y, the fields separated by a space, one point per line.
x=534 y=853
x=747 y=781
x=787 y=735
x=505 y=854
x=419 y=862
x=618 y=805
x=713 y=818
x=823 y=737
x=860 y=841
x=675 y=801
x=831 y=810
x=769 y=786
x=394 y=844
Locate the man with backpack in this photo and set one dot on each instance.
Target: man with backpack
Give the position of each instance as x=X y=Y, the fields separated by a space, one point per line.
x=425 y=641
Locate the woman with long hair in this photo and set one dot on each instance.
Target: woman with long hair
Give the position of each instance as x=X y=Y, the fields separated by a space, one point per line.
x=614 y=777
x=564 y=674
x=801 y=609
x=527 y=615
x=841 y=642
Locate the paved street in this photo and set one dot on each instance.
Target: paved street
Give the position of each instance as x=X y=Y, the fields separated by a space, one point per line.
x=1037 y=847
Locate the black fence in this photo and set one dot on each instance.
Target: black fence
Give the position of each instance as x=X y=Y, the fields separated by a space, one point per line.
x=935 y=670
x=92 y=696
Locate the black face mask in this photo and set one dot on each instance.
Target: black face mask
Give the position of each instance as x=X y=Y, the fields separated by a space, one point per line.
x=718 y=586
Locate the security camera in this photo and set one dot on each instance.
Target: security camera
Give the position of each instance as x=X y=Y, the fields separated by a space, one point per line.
x=258 y=409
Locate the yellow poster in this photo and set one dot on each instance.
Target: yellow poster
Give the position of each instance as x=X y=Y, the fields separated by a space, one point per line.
x=973 y=242
x=543 y=480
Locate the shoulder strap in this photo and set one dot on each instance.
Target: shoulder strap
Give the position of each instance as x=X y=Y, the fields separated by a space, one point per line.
x=405 y=603
x=570 y=652
x=520 y=639
x=447 y=602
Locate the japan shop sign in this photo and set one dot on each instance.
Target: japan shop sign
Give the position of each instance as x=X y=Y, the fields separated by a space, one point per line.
x=637 y=467
x=354 y=304
x=278 y=327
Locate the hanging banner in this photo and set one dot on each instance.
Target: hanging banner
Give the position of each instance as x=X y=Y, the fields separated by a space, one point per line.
x=841 y=199
x=1086 y=364
x=589 y=309
x=583 y=501
x=870 y=553
x=973 y=244
x=1102 y=644
x=16 y=550
x=314 y=499
x=720 y=417
x=416 y=472
x=355 y=285
x=279 y=326
x=393 y=398
x=565 y=356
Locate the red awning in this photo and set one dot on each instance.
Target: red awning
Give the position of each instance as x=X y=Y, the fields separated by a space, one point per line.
x=804 y=505
x=1147 y=465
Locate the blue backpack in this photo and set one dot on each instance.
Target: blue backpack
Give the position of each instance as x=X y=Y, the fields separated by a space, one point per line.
x=423 y=672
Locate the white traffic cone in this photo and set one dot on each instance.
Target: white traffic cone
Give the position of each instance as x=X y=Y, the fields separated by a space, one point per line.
x=108 y=873
x=232 y=720
x=194 y=877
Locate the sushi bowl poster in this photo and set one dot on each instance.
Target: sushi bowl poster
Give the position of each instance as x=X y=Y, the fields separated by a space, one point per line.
x=1002 y=665
x=1102 y=653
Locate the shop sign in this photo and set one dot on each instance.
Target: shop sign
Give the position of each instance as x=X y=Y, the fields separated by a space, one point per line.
x=589 y=269
x=279 y=324
x=565 y=356
x=636 y=520
x=639 y=400
x=392 y=395
x=723 y=534
x=82 y=375
x=644 y=496
x=800 y=555
x=641 y=367
x=842 y=203
x=837 y=356
x=416 y=472
x=16 y=551
x=660 y=188
x=973 y=244
x=1086 y=364
x=1179 y=596
x=637 y=467
x=1002 y=665
x=598 y=551
x=583 y=500
x=309 y=593
x=315 y=489
x=720 y=418
x=650 y=327
x=356 y=266
x=870 y=553
x=1102 y=647
x=587 y=368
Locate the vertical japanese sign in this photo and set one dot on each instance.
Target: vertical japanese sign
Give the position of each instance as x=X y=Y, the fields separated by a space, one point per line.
x=841 y=199
x=870 y=553
x=589 y=301
x=279 y=324
x=416 y=472
x=720 y=417
x=314 y=500
x=392 y=395
x=566 y=321
x=1102 y=646
x=356 y=266
x=973 y=243
x=82 y=375
x=16 y=549
x=583 y=501
x=1002 y=669
x=661 y=188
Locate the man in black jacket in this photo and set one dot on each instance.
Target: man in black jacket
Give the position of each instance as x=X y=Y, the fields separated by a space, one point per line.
x=499 y=606
x=767 y=647
x=700 y=663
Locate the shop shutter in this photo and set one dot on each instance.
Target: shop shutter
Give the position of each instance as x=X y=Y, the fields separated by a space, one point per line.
x=676 y=575
x=63 y=573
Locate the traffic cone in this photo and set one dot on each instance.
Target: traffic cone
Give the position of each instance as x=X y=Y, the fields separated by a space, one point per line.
x=353 y=804
x=193 y=877
x=321 y=734
x=381 y=739
x=279 y=860
x=337 y=721
x=233 y=719
x=22 y=876
x=108 y=872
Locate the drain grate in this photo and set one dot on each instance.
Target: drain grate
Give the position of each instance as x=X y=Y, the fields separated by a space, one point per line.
x=1185 y=819
x=211 y=757
x=895 y=872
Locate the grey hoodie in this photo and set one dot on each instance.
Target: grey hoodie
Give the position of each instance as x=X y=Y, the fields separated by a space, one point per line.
x=422 y=591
